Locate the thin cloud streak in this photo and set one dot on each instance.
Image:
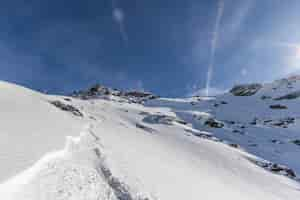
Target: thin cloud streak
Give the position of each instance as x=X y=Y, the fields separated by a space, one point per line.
x=214 y=43
x=286 y=44
x=271 y=43
x=119 y=18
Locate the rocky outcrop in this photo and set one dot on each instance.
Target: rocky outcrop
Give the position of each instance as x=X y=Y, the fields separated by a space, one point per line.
x=67 y=107
x=290 y=96
x=296 y=142
x=96 y=90
x=245 y=89
x=275 y=168
x=212 y=123
x=162 y=119
x=99 y=91
x=139 y=94
x=278 y=107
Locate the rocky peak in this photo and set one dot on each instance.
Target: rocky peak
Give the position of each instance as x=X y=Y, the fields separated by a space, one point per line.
x=100 y=91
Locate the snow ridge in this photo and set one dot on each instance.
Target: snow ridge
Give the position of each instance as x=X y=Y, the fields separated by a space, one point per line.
x=79 y=172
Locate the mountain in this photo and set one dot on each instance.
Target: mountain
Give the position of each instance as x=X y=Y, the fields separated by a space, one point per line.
x=103 y=143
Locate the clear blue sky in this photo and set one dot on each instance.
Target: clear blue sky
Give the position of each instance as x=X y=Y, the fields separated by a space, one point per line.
x=163 y=46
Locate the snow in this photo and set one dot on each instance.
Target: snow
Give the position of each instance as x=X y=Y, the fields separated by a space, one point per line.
x=264 y=138
x=30 y=127
x=133 y=151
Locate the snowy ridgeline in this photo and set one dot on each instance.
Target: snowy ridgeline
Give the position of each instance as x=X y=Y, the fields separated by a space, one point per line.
x=135 y=146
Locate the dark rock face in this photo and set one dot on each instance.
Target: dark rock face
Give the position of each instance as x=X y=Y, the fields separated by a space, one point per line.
x=138 y=94
x=214 y=123
x=279 y=169
x=162 y=119
x=99 y=91
x=296 y=142
x=234 y=145
x=246 y=89
x=278 y=106
x=290 y=96
x=95 y=91
x=68 y=108
x=281 y=122
x=145 y=128
x=277 y=141
x=275 y=168
x=264 y=97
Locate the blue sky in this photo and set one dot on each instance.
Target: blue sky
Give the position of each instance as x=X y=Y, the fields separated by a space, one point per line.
x=161 y=46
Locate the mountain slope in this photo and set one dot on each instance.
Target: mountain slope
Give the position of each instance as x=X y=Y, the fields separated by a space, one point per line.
x=125 y=151
x=30 y=127
x=262 y=119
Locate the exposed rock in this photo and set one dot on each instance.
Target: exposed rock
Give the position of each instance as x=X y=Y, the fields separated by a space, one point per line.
x=246 y=89
x=66 y=107
x=145 y=128
x=234 y=145
x=216 y=105
x=99 y=91
x=281 y=169
x=144 y=113
x=162 y=119
x=264 y=97
x=280 y=122
x=139 y=94
x=278 y=106
x=296 y=142
x=275 y=168
x=289 y=96
x=230 y=122
x=276 y=141
x=214 y=123
x=254 y=121
x=238 y=131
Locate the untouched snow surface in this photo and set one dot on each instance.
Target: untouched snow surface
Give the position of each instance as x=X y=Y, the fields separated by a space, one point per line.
x=127 y=151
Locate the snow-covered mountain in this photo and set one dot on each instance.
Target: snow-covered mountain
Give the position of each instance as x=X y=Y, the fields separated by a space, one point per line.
x=103 y=144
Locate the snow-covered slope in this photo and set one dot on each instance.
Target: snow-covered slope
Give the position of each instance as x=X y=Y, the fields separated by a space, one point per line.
x=262 y=119
x=30 y=127
x=163 y=149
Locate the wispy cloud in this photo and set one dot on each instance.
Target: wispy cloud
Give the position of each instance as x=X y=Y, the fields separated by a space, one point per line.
x=275 y=43
x=233 y=24
x=285 y=44
x=214 y=42
x=119 y=18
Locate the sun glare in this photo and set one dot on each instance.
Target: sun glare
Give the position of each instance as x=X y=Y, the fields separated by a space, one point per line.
x=298 y=52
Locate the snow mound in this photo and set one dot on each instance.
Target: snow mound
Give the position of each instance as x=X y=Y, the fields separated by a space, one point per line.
x=78 y=172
